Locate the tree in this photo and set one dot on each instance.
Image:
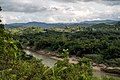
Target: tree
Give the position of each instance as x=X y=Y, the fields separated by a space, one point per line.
x=0 y=10
x=1 y=25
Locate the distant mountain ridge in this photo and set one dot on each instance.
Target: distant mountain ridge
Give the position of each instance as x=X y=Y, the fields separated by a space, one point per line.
x=48 y=25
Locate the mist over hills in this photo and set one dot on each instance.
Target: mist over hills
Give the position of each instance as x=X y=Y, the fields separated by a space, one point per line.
x=49 y=25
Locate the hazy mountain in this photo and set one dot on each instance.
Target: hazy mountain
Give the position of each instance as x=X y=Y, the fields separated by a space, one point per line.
x=48 y=25
x=100 y=21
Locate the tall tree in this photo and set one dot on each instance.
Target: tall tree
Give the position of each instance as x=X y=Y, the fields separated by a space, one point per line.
x=1 y=25
x=0 y=10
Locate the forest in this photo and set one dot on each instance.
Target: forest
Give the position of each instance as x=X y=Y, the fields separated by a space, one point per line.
x=100 y=42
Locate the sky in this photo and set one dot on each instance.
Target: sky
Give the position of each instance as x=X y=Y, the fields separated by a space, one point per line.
x=59 y=11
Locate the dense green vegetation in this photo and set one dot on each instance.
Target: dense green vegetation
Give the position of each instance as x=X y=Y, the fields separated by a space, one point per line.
x=16 y=65
x=100 y=42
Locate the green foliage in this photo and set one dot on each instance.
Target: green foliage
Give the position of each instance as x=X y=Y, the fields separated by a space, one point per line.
x=92 y=41
x=15 y=65
x=19 y=68
x=97 y=58
x=113 y=62
x=65 y=53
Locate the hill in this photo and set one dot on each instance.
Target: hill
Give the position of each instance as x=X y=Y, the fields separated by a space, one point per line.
x=48 y=25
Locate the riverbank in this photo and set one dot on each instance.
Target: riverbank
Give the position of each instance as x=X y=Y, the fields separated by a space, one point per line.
x=74 y=60
x=54 y=55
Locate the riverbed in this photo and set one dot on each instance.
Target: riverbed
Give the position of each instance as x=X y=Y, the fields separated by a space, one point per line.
x=48 y=61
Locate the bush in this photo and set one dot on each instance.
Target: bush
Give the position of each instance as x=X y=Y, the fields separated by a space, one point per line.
x=113 y=62
x=97 y=58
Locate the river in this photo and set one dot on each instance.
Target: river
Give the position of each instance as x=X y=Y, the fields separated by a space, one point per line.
x=50 y=63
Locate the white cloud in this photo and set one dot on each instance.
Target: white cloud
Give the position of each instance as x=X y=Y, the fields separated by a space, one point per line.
x=13 y=18
x=51 y=19
x=57 y=11
x=119 y=17
x=22 y=1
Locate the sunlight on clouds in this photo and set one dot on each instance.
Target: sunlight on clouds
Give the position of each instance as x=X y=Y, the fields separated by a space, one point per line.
x=51 y=19
x=4 y=21
x=13 y=18
x=22 y=1
x=29 y=19
x=119 y=17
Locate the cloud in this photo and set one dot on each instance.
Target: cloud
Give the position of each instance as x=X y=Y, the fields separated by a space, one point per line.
x=21 y=6
x=40 y=5
x=106 y=2
x=14 y=18
x=59 y=10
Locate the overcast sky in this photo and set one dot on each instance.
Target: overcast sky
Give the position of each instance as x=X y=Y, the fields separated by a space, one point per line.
x=58 y=11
